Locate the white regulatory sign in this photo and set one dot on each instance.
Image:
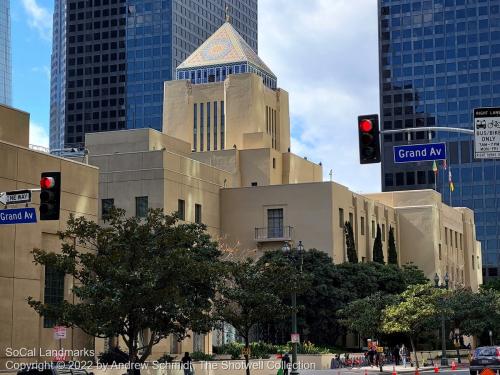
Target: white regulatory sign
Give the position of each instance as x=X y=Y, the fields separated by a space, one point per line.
x=487 y=133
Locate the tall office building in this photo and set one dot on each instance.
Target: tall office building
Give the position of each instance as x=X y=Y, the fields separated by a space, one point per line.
x=5 y=54
x=118 y=53
x=440 y=59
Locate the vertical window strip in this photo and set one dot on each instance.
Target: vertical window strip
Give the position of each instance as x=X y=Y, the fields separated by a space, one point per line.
x=222 y=126
x=195 y=128
x=276 y=135
x=202 y=125
x=208 y=126
x=215 y=126
x=267 y=119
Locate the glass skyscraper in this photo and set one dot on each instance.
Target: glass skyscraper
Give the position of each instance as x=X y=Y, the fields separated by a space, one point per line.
x=118 y=54
x=5 y=54
x=440 y=59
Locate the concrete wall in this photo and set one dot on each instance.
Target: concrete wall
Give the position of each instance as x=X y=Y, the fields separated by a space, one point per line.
x=438 y=238
x=14 y=126
x=20 y=326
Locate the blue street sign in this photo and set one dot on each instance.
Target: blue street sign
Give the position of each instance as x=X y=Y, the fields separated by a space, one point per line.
x=424 y=152
x=18 y=216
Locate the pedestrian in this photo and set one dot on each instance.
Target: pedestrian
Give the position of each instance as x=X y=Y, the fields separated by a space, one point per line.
x=187 y=364
x=403 y=354
x=396 y=355
x=371 y=355
x=285 y=362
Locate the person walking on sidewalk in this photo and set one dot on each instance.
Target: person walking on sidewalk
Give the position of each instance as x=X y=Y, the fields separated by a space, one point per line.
x=187 y=364
x=395 y=353
x=404 y=354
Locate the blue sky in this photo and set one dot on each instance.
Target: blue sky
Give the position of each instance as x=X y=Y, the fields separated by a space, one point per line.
x=324 y=53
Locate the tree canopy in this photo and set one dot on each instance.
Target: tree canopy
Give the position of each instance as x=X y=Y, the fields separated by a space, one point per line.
x=352 y=255
x=134 y=275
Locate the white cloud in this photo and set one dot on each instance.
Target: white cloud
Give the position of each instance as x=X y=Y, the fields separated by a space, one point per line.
x=325 y=54
x=39 y=135
x=45 y=70
x=39 y=18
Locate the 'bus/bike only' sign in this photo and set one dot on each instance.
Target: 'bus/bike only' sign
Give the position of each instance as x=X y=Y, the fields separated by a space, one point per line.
x=487 y=133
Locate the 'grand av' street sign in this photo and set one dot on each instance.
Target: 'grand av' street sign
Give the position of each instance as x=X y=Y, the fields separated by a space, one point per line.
x=420 y=152
x=18 y=216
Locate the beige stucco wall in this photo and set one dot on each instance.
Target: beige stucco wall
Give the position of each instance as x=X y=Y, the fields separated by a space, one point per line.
x=246 y=99
x=20 y=326
x=14 y=126
x=438 y=238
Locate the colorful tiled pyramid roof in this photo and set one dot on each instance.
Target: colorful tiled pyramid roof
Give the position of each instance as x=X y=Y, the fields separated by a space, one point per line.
x=225 y=46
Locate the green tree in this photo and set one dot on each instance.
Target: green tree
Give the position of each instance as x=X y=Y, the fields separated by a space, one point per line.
x=364 y=315
x=378 y=253
x=352 y=255
x=493 y=284
x=392 y=253
x=253 y=293
x=134 y=275
x=414 y=313
x=474 y=313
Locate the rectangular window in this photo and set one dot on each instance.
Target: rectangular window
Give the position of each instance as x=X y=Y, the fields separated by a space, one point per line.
x=106 y=206
x=473 y=266
x=351 y=218
x=362 y=226
x=208 y=126
x=341 y=217
x=439 y=249
x=222 y=126
x=215 y=126
x=202 y=125
x=141 y=206
x=456 y=240
x=53 y=291
x=275 y=223
x=446 y=236
x=373 y=229
x=383 y=232
x=461 y=242
x=195 y=128
x=181 y=209
x=197 y=213
x=274 y=163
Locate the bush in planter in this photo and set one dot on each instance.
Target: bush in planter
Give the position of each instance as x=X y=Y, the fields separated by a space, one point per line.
x=166 y=358
x=262 y=350
x=234 y=349
x=200 y=356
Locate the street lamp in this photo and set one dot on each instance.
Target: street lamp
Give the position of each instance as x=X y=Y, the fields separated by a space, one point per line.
x=490 y=333
x=444 y=360
x=300 y=248
x=457 y=344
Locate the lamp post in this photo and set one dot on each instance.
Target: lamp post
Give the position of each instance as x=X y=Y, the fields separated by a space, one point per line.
x=300 y=248
x=457 y=344
x=490 y=333
x=444 y=360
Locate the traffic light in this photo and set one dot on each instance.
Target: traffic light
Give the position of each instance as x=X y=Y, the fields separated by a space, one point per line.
x=369 y=139
x=50 y=195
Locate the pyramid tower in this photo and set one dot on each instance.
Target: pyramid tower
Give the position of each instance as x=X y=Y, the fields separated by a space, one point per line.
x=224 y=53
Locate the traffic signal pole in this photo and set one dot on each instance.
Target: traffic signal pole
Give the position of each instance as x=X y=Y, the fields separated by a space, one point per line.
x=428 y=128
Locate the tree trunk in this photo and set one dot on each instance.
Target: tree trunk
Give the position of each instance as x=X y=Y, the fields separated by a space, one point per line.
x=247 y=351
x=414 y=350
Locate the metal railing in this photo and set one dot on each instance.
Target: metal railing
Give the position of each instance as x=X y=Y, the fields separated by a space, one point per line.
x=284 y=233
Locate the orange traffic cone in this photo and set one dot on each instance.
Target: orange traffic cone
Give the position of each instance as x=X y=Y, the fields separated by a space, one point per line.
x=417 y=372
x=453 y=366
x=394 y=371
x=436 y=368
x=366 y=372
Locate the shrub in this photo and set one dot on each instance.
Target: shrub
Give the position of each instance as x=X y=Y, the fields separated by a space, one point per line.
x=262 y=350
x=233 y=348
x=113 y=355
x=200 y=356
x=166 y=358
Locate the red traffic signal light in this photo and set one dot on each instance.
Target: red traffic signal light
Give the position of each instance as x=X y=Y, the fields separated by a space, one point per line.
x=365 y=125
x=369 y=139
x=47 y=182
x=50 y=195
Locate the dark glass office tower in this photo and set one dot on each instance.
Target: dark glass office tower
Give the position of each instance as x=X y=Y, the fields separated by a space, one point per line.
x=5 y=54
x=118 y=53
x=439 y=59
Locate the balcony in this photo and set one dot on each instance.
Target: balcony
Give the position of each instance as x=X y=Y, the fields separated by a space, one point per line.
x=276 y=234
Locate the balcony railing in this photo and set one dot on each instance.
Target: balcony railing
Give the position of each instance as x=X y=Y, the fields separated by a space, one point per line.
x=277 y=234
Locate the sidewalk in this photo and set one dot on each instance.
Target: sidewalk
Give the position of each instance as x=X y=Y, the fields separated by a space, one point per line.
x=388 y=369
